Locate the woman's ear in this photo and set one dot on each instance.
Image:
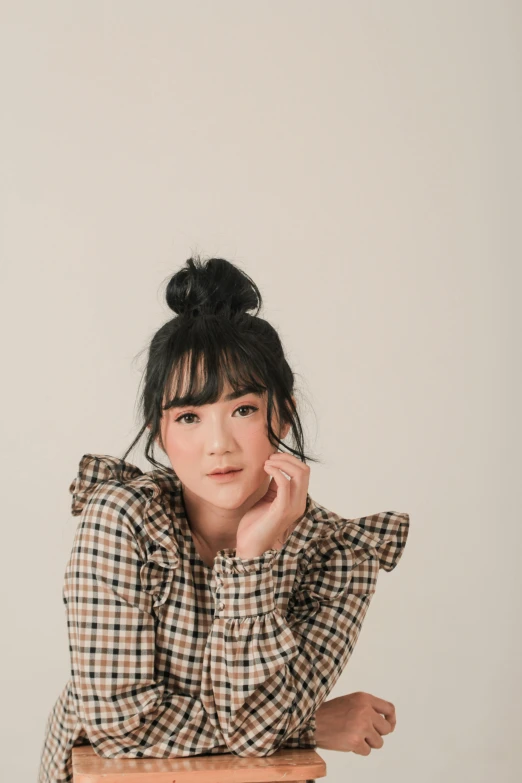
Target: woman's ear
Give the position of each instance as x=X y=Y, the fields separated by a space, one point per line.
x=286 y=427
x=284 y=431
x=156 y=440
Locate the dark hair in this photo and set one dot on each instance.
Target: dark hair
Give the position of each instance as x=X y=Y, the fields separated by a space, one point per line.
x=214 y=337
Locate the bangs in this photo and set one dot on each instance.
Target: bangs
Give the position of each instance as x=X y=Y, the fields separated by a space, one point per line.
x=200 y=375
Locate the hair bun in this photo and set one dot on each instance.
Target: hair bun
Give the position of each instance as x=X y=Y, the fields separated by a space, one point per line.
x=212 y=287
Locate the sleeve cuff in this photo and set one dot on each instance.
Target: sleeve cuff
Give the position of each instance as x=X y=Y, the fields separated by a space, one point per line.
x=243 y=587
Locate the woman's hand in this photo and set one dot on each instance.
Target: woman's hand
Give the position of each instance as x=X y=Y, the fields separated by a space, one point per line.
x=356 y=722
x=268 y=523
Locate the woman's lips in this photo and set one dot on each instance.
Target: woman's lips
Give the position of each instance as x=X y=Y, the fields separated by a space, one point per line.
x=224 y=476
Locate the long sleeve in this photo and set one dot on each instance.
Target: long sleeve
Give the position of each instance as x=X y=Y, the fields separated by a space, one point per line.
x=262 y=671
x=125 y=711
x=265 y=675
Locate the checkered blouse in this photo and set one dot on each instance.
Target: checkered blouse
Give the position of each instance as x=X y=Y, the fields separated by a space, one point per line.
x=171 y=657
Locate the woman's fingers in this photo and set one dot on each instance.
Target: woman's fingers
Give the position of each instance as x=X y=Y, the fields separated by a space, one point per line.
x=293 y=493
x=283 y=484
x=290 y=464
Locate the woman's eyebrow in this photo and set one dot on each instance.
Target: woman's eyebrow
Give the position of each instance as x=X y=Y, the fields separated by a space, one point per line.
x=241 y=393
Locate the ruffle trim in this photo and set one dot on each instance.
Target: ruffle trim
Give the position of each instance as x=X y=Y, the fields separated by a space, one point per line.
x=162 y=550
x=226 y=562
x=382 y=535
x=346 y=559
x=96 y=469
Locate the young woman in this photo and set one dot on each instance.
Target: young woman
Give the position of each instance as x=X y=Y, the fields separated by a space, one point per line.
x=214 y=612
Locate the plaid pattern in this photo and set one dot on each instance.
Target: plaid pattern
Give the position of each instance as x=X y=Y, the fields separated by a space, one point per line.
x=171 y=657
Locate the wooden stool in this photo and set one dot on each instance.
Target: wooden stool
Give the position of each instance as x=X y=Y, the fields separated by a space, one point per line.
x=300 y=765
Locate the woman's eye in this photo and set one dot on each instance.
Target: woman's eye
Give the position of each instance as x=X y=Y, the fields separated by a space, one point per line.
x=184 y=416
x=252 y=407
x=241 y=407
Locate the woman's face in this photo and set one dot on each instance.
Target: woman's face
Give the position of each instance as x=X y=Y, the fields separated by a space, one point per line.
x=230 y=432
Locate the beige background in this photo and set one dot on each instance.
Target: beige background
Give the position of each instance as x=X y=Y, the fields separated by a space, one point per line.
x=361 y=161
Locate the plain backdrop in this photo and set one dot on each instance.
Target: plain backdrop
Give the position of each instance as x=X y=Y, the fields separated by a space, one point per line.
x=361 y=161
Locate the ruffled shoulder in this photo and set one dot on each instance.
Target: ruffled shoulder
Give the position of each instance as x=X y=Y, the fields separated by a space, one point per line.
x=344 y=556
x=160 y=491
x=382 y=535
x=96 y=469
